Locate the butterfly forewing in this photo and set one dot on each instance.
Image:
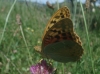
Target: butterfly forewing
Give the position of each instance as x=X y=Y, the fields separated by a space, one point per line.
x=60 y=31
x=61 y=13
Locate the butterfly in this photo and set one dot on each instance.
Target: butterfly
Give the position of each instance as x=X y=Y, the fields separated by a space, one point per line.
x=59 y=41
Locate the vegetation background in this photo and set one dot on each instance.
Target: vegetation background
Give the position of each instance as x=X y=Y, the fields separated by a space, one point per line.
x=21 y=27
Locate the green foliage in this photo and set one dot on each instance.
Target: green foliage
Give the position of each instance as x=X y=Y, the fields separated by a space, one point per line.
x=17 y=52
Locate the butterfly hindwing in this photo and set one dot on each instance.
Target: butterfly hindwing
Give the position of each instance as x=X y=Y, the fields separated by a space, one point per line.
x=64 y=51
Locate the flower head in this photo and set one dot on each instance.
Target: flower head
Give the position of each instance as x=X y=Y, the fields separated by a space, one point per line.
x=42 y=68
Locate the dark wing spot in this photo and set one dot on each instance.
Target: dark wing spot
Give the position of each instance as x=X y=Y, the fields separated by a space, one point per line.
x=59 y=32
x=64 y=34
x=63 y=30
x=65 y=37
x=53 y=21
x=53 y=30
x=69 y=34
x=48 y=27
x=62 y=16
x=57 y=36
x=57 y=17
x=61 y=13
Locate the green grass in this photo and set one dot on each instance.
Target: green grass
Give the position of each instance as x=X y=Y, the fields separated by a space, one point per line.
x=17 y=42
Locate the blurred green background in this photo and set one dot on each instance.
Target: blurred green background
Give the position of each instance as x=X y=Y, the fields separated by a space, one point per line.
x=21 y=28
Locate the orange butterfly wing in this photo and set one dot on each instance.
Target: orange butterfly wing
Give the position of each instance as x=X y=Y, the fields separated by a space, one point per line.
x=61 y=13
x=60 y=42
